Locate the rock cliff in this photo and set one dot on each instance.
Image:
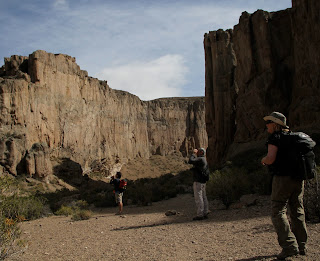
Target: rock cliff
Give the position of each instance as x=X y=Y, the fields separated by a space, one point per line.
x=52 y=111
x=268 y=62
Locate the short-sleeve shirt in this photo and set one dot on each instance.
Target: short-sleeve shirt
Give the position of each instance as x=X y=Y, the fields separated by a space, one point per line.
x=274 y=139
x=280 y=166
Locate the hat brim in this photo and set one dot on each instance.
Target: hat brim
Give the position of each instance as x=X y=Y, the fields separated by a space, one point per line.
x=275 y=120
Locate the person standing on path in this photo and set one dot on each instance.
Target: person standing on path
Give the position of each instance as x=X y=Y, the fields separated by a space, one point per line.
x=118 y=193
x=198 y=160
x=286 y=192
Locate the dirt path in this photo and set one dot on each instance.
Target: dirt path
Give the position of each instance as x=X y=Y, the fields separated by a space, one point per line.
x=146 y=233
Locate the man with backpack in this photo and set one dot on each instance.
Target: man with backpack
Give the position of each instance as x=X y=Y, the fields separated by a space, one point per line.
x=200 y=177
x=118 y=190
x=287 y=186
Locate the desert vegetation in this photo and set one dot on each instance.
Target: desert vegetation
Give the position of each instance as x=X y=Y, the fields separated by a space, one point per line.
x=15 y=208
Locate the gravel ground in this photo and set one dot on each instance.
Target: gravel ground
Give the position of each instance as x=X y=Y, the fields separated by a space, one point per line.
x=146 y=233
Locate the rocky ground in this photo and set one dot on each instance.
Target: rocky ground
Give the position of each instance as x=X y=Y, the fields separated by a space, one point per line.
x=146 y=233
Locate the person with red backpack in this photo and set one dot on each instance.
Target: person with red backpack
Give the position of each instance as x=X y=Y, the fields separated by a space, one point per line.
x=119 y=187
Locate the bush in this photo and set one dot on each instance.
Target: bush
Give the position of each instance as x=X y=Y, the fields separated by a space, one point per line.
x=312 y=199
x=10 y=233
x=232 y=182
x=56 y=199
x=147 y=190
x=13 y=210
x=24 y=208
x=228 y=185
x=81 y=214
x=78 y=210
x=64 y=211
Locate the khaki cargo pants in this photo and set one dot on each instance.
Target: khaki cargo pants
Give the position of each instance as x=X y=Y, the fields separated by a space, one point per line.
x=288 y=193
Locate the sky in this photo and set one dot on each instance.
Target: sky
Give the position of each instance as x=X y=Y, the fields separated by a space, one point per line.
x=150 y=48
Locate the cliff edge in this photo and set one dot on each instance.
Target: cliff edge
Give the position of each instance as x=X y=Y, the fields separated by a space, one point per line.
x=52 y=111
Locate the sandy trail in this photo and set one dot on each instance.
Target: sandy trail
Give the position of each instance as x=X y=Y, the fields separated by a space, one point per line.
x=146 y=233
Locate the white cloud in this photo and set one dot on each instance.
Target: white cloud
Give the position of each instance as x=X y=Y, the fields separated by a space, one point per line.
x=162 y=77
x=61 y=5
x=126 y=38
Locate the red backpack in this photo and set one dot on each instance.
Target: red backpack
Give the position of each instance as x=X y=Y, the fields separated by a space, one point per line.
x=123 y=185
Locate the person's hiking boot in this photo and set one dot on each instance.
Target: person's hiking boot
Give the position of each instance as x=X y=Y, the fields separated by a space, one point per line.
x=303 y=251
x=287 y=253
x=206 y=215
x=198 y=218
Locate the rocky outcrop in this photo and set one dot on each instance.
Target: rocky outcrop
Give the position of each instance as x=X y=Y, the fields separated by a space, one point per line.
x=52 y=110
x=221 y=92
x=176 y=125
x=268 y=62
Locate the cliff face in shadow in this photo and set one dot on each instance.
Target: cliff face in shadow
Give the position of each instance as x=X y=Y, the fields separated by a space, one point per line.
x=268 y=62
x=50 y=109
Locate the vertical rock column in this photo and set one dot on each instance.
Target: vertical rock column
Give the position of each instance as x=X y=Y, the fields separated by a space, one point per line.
x=305 y=106
x=221 y=93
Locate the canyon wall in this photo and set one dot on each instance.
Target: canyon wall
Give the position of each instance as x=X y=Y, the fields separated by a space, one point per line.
x=268 y=62
x=51 y=110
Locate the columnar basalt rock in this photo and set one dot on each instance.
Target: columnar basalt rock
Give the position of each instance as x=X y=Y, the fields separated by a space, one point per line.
x=273 y=67
x=221 y=91
x=46 y=99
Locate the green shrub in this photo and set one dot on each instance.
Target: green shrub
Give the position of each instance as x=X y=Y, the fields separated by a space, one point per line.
x=81 y=214
x=147 y=190
x=56 y=199
x=232 y=182
x=9 y=235
x=31 y=207
x=228 y=185
x=64 y=211
x=13 y=210
x=99 y=198
x=244 y=174
x=82 y=204
x=78 y=210
x=312 y=199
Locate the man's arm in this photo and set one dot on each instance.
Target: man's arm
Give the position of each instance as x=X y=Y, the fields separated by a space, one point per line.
x=271 y=156
x=195 y=160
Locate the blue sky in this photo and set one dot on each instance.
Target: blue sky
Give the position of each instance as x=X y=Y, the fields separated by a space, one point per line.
x=152 y=49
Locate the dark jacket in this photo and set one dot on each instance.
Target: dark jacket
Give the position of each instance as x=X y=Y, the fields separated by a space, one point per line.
x=199 y=165
x=116 y=183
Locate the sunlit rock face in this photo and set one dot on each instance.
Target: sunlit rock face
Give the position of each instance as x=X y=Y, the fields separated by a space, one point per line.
x=51 y=109
x=268 y=62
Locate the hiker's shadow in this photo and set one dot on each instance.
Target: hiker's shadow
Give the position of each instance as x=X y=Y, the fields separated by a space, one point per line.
x=274 y=257
x=142 y=226
x=168 y=221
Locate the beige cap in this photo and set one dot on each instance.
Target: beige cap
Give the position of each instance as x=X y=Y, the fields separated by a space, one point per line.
x=278 y=118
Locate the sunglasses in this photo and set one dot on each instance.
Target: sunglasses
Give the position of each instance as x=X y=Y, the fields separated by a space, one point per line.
x=268 y=122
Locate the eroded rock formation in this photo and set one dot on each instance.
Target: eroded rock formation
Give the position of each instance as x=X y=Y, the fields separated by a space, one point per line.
x=268 y=62
x=51 y=110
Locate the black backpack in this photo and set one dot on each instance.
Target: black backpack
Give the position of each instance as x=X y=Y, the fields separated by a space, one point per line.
x=297 y=158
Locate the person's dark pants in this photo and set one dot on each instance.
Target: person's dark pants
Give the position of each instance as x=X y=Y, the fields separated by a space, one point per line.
x=288 y=192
